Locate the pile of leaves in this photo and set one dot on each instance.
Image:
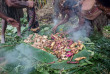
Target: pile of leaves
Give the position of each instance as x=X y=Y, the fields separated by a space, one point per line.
x=59 y=46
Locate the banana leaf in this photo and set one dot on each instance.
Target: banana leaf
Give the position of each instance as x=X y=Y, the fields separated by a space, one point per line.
x=64 y=66
x=46 y=57
x=36 y=54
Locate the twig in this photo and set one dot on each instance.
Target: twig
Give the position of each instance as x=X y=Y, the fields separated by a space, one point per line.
x=51 y=62
x=5 y=46
x=72 y=62
x=71 y=58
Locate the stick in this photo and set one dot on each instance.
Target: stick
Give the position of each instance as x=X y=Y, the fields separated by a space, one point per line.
x=72 y=62
x=71 y=58
x=51 y=62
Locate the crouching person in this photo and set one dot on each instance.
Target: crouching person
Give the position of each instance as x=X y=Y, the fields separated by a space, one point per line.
x=93 y=11
x=68 y=9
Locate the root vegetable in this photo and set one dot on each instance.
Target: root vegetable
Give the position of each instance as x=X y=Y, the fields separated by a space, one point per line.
x=73 y=45
x=80 y=58
x=58 y=45
x=52 y=45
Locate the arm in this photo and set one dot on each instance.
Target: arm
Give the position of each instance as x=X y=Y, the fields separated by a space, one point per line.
x=13 y=22
x=61 y=22
x=3 y=16
x=19 y=4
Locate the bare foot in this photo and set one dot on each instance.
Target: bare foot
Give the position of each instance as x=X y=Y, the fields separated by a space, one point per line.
x=2 y=39
x=19 y=33
x=20 y=36
x=54 y=28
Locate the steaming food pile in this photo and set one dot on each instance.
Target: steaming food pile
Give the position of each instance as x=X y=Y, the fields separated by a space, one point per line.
x=59 y=46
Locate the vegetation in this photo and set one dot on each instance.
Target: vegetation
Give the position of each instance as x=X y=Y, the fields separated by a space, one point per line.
x=100 y=61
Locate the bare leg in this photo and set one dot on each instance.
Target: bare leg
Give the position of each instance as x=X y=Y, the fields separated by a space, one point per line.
x=4 y=26
x=19 y=30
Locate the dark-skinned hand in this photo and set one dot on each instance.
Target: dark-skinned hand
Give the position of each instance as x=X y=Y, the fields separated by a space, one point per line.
x=54 y=28
x=13 y=22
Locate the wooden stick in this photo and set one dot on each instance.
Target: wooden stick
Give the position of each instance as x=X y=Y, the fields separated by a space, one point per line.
x=71 y=58
x=51 y=62
x=72 y=62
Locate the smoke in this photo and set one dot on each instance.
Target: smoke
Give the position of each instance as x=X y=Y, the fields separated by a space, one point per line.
x=83 y=31
x=55 y=22
x=22 y=58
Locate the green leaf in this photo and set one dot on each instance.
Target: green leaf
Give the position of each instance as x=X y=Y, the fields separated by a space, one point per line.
x=37 y=54
x=14 y=30
x=40 y=69
x=44 y=72
x=9 y=34
x=88 y=61
x=48 y=49
x=83 y=64
x=57 y=71
x=22 y=29
x=87 y=39
x=65 y=66
x=9 y=27
x=46 y=28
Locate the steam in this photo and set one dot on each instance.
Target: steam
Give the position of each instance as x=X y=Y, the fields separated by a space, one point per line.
x=83 y=31
x=55 y=22
x=22 y=58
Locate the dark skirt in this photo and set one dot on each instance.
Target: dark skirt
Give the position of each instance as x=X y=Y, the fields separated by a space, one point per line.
x=11 y=11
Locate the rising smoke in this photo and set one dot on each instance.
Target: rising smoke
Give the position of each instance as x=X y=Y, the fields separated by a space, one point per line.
x=83 y=31
x=21 y=59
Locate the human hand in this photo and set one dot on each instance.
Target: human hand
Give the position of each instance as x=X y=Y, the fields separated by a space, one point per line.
x=63 y=34
x=13 y=22
x=54 y=28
